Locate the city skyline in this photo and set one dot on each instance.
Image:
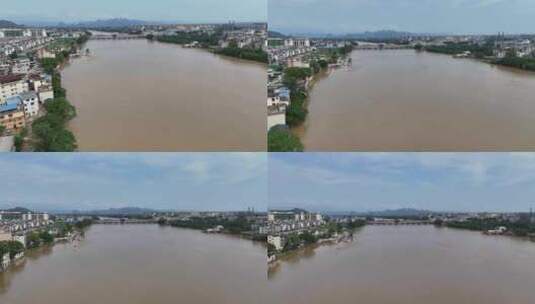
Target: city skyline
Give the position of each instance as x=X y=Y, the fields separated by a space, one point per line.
x=181 y=11
x=162 y=181
x=418 y=16
x=364 y=182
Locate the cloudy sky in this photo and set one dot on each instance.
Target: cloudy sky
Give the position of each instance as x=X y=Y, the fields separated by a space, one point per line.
x=193 y=11
x=421 y=16
x=84 y=181
x=379 y=181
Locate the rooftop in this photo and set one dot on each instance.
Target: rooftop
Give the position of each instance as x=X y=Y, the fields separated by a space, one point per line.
x=10 y=78
x=28 y=95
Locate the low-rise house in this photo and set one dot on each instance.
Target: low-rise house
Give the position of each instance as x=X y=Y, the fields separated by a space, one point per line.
x=5 y=262
x=30 y=100
x=276 y=116
x=12 y=85
x=12 y=115
x=21 y=66
x=43 y=53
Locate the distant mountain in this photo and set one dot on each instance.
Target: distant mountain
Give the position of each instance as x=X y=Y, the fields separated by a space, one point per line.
x=400 y=212
x=273 y=34
x=107 y=23
x=18 y=209
x=117 y=211
x=8 y=24
x=404 y=212
x=384 y=34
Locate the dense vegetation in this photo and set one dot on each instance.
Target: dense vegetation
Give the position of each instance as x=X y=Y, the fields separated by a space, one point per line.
x=282 y=140
x=50 y=132
x=478 y=51
x=11 y=247
x=244 y=53
x=517 y=62
x=19 y=139
x=521 y=228
x=80 y=225
x=35 y=239
x=233 y=226
x=204 y=39
x=296 y=113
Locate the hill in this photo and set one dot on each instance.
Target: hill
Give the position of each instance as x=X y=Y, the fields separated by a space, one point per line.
x=110 y=23
x=8 y=24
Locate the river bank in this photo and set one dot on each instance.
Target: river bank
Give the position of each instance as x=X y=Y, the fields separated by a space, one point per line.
x=302 y=98
x=401 y=100
x=152 y=259
x=210 y=45
x=483 y=54
x=447 y=264
x=36 y=242
x=48 y=131
x=194 y=105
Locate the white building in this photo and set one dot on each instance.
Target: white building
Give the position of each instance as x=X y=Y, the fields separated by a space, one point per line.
x=27 y=217
x=276 y=241
x=276 y=116
x=21 y=238
x=297 y=42
x=4 y=262
x=45 y=93
x=30 y=101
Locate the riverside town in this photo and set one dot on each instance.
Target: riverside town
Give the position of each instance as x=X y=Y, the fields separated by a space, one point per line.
x=291 y=230
x=296 y=63
x=34 y=109
x=22 y=229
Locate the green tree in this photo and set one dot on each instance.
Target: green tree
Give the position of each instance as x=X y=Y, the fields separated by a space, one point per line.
x=292 y=242
x=46 y=237
x=33 y=240
x=11 y=247
x=296 y=113
x=62 y=108
x=59 y=91
x=19 y=139
x=308 y=238
x=282 y=140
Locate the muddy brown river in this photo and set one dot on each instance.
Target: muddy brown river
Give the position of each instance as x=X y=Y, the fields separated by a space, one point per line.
x=402 y=100
x=410 y=265
x=139 y=264
x=136 y=95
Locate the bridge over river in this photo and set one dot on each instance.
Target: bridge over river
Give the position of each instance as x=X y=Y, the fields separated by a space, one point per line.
x=398 y=222
x=116 y=37
x=121 y=221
